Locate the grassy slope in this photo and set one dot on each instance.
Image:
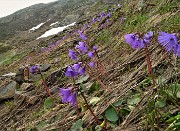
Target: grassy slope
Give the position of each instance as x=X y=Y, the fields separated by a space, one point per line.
x=126 y=68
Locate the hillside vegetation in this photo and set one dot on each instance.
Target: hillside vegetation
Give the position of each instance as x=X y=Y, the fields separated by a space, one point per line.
x=123 y=91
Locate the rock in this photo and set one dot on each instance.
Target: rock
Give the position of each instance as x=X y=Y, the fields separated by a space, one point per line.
x=45 y=67
x=22 y=75
x=7 y=91
x=19 y=77
x=27 y=86
x=55 y=75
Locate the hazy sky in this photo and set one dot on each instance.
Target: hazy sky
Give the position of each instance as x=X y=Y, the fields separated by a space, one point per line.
x=8 y=7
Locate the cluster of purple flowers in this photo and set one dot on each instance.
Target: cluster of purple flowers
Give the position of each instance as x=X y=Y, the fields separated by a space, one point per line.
x=75 y=70
x=34 y=69
x=50 y=47
x=136 y=42
x=167 y=40
x=102 y=15
x=82 y=48
x=78 y=69
x=82 y=36
x=68 y=96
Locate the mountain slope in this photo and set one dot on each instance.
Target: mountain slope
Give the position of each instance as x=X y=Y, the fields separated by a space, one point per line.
x=121 y=90
x=66 y=11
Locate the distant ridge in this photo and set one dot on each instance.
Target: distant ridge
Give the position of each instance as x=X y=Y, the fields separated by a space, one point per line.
x=66 y=11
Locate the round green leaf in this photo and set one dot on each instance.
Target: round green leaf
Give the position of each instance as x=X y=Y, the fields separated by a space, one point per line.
x=94 y=87
x=77 y=126
x=117 y=103
x=111 y=114
x=98 y=128
x=48 y=103
x=134 y=100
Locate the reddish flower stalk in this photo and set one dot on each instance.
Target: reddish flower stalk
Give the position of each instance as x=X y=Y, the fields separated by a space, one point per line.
x=88 y=106
x=46 y=87
x=149 y=65
x=77 y=111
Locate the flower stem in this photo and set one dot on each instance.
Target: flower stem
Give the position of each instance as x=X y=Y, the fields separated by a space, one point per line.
x=149 y=65
x=46 y=87
x=77 y=111
x=88 y=106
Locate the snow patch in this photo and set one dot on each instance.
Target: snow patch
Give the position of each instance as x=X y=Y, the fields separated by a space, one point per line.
x=9 y=74
x=54 y=23
x=36 y=27
x=54 y=31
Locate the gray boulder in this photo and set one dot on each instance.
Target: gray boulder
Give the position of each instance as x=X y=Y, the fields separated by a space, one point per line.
x=7 y=91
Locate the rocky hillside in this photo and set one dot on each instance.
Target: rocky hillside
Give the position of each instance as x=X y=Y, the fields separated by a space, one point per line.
x=15 y=35
x=64 y=11
x=116 y=69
